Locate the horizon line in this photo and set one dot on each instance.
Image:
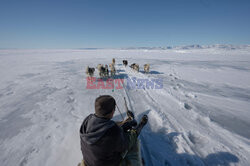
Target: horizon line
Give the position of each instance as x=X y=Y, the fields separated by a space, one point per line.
x=133 y=47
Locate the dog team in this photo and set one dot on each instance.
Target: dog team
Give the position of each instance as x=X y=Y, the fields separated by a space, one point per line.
x=104 y=70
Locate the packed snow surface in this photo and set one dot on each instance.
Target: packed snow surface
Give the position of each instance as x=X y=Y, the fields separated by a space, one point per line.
x=199 y=116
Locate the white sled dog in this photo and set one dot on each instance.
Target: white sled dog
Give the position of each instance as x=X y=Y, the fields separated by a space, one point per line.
x=135 y=66
x=101 y=70
x=146 y=68
x=99 y=66
x=112 y=69
x=90 y=71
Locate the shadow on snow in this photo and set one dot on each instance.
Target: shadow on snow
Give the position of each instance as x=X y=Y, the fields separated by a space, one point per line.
x=159 y=148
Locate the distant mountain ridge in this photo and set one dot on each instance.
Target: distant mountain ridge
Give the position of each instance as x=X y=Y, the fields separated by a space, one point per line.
x=194 y=46
x=183 y=47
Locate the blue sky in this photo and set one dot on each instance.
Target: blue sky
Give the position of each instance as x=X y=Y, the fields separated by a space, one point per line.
x=122 y=23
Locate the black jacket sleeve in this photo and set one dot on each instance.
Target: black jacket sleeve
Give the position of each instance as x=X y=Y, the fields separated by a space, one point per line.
x=118 y=139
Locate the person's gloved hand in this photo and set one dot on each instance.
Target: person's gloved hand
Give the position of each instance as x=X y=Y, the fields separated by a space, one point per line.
x=130 y=114
x=129 y=125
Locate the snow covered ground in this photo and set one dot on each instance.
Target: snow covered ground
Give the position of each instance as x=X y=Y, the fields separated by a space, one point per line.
x=201 y=116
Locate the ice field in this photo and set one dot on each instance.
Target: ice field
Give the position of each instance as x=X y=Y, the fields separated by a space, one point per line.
x=200 y=115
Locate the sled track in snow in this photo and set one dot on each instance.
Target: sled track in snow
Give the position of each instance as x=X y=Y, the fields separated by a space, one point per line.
x=145 y=151
x=171 y=122
x=174 y=127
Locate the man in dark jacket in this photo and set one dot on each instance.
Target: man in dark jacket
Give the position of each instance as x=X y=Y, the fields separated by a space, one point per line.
x=103 y=142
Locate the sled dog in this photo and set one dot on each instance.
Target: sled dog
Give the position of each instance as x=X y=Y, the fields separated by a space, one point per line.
x=135 y=66
x=125 y=62
x=113 y=61
x=112 y=69
x=90 y=71
x=146 y=68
